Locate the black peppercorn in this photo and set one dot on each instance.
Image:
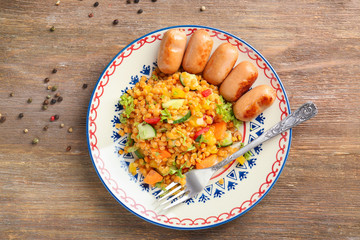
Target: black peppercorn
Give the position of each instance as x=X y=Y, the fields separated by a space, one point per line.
x=68 y=148
x=115 y=21
x=140 y=11
x=56 y=117
x=21 y=115
x=60 y=99
x=46 y=80
x=84 y=86
x=46 y=128
x=96 y=4
x=2 y=119
x=153 y=0
x=53 y=101
x=54 y=70
x=128 y=1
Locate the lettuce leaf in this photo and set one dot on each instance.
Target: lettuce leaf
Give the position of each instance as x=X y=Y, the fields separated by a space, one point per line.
x=127 y=102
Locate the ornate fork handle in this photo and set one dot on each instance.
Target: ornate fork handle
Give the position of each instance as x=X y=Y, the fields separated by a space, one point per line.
x=305 y=112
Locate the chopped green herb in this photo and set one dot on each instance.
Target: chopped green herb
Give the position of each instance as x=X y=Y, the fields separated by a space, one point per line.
x=247 y=155
x=122 y=119
x=132 y=149
x=162 y=96
x=183 y=135
x=127 y=102
x=202 y=139
x=154 y=77
x=165 y=115
x=191 y=148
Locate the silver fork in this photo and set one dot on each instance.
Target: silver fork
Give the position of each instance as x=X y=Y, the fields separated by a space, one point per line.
x=197 y=179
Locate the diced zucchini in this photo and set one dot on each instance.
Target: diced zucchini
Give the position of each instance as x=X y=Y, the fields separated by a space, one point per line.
x=227 y=141
x=146 y=131
x=174 y=103
x=189 y=80
x=139 y=154
x=184 y=118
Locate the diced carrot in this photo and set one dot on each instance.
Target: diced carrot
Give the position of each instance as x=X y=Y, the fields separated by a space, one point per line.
x=207 y=162
x=220 y=129
x=153 y=177
x=160 y=154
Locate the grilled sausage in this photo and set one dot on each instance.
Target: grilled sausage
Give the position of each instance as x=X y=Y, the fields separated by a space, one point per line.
x=197 y=52
x=238 y=81
x=254 y=102
x=220 y=63
x=171 y=51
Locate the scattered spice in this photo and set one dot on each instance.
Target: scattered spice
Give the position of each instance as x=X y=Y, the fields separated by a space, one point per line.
x=35 y=141
x=128 y=1
x=70 y=130
x=52 y=118
x=53 y=101
x=62 y=125
x=26 y=130
x=46 y=80
x=29 y=100
x=96 y=4
x=57 y=95
x=52 y=29
x=140 y=11
x=57 y=3
x=136 y=1
x=60 y=99
x=21 y=115
x=12 y=94
x=56 y=117
x=54 y=70
x=54 y=88
x=48 y=96
x=46 y=102
x=68 y=148
x=49 y=87
x=44 y=107
x=46 y=128
x=2 y=119
x=153 y=0
x=91 y=15
x=115 y=22
x=203 y=8
x=84 y=86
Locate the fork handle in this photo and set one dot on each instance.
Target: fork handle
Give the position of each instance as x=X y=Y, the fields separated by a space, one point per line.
x=305 y=112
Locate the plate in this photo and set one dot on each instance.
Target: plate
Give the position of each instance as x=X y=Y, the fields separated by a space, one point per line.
x=229 y=194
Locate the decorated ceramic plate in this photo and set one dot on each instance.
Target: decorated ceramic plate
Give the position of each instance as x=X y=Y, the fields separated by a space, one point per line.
x=232 y=191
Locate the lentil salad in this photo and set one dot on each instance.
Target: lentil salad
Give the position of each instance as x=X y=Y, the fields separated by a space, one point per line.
x=176 y=123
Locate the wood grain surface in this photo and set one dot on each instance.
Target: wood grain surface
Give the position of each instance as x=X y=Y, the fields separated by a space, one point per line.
x=49 y=193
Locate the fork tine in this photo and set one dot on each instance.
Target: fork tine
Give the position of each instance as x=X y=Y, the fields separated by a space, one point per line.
x=184 y=198
x=170 y=199
x=167 y=188
x=169 y=193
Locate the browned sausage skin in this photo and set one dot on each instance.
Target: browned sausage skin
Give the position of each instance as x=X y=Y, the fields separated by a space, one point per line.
x=220 y=64
x=238 y=81
x=197 y=52
x=254 y=102
x=171 y=52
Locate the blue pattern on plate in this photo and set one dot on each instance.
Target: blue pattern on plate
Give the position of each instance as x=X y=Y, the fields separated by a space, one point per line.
x=228 y=181
x=146 y=70
x=134 y=80
x=203 y=198
x=218 y=193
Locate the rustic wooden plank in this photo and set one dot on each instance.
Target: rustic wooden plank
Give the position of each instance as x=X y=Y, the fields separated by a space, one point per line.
x=48 y=193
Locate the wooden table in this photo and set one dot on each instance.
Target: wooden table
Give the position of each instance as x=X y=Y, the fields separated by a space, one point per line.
x=47 y=192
